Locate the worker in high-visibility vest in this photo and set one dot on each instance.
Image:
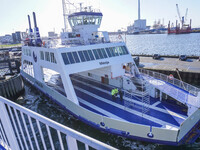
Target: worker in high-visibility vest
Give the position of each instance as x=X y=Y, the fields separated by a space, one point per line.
x=116 y=92
x=113 y=94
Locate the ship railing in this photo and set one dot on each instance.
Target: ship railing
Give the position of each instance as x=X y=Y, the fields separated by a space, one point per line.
x=21 y=128
x=185 y=86
x=116 y=39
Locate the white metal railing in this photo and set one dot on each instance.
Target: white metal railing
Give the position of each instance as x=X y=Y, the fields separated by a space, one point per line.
x=21 y=128
x=187 y=87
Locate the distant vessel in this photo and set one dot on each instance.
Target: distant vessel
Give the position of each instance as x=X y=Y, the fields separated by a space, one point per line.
x=82 y=75
x=182 y=27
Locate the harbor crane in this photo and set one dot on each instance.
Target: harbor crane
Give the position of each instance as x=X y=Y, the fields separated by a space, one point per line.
x=182 y=19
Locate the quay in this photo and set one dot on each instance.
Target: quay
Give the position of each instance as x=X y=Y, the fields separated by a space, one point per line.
x=189 y=70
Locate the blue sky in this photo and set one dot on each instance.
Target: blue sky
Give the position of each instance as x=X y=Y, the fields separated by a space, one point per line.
x=118 y=14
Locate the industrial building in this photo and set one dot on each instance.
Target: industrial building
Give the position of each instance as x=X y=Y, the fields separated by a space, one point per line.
x=139 y=25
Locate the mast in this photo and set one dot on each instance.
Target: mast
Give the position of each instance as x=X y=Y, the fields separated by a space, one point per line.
x=64 y=15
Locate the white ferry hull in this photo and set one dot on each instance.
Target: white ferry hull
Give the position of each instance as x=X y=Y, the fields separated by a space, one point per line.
x=123 y=128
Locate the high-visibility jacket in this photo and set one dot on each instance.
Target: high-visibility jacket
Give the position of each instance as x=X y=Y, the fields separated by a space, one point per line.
x=116 y=91
x=113 y=92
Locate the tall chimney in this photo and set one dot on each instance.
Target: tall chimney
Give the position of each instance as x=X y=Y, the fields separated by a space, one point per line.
x=138 y=9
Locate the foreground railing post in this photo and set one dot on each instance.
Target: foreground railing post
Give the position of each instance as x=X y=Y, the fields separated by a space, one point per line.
x=8 y=127
x=72 y=144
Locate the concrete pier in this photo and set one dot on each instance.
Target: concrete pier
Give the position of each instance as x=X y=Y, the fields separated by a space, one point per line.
x=12 y=87
x=189 y=70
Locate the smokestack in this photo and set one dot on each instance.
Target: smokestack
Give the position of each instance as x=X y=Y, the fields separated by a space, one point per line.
x=34 y=18
x=29 y=22
x=138 y=9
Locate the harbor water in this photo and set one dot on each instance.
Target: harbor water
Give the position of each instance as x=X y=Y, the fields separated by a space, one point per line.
x=188 y=44
x=164 y=44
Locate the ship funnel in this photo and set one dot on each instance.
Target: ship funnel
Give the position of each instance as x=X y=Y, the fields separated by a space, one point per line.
x=38 y=41
x=29 y=22
x=34 y=18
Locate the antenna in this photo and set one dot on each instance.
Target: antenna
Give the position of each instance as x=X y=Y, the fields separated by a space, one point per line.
x=66 y=12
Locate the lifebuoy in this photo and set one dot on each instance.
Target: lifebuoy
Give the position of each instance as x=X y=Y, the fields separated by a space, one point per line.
x=119 y=36
x=171 y=77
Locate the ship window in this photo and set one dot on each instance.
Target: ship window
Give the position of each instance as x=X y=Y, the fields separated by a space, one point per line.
x=41 y=55
x=125 y=50
x=65 y=59
x=91 y=55
x=92 y=20
x=108 y=52
x=53 y=60
x=115 y=51
x=98 y=20
x=104 y=53
x=81 y=56
x=100 y=54
x=85 y=53
x=86 y=20
x=76 y=57
x=112 y=51
x=96 y=54
x=79 y=20
x=29 y=52
x=71 y=59
x=71 y=22
x=47 y=58
x=120 y=50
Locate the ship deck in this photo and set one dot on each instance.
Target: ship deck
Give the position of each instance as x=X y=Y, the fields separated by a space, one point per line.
x=96 y=97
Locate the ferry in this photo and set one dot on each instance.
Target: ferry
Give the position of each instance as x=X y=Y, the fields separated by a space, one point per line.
x=81 y=71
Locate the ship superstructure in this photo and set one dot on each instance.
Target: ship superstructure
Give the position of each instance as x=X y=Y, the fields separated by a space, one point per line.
x=81 y=72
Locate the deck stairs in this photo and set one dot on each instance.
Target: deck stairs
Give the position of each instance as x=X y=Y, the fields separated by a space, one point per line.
x=141 y=93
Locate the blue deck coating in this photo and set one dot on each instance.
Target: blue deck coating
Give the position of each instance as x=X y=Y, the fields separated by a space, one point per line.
x=2 y=148
x=91 y=109
x=172 y=107
x=105 y=87
x=114 y=110
x=154 y=113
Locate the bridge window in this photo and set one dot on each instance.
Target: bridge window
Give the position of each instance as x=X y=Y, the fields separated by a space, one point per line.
x=112 y=51
x=81 y=56
x=76 y=57
x=65 y=59
x=85 y=53
x=100 y=54
x=125 y=51
x=91 y=55
x=53 y=59
x=71 y=59
x=41 y=55
x=96 y=54
x=47 y=58
x=115 y=51
x=108 y=52
x=85 y=20
x=104 y=53
x=120 y=51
